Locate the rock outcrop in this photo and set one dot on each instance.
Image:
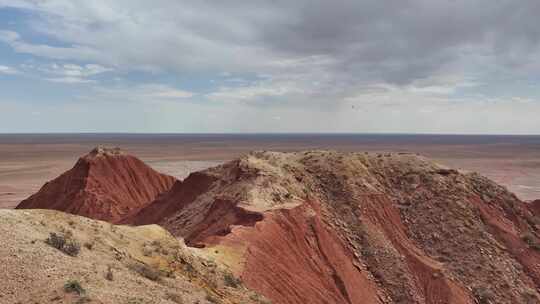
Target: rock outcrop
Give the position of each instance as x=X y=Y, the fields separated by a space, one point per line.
x=105 y=184
x=328 y=227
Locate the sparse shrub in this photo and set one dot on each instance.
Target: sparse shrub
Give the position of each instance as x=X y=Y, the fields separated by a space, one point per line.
x=260 y=299
x=72 y=248
x=146 y=271
x=483 y=295
x=175 y=297
x=74 y=286
x=156 y=244
x=63 y=243
x=533 y=220
x=135 y=301
x=231 y=280
x=210 y=298
x=528 y=238
x=531 y=240
x=88 y=245
x=147 y=251
x=83 y=300
x=56 y=241
x=109 y=274
x=529 y=296
x=189 y=268
x=535 y=246
x=377 y=274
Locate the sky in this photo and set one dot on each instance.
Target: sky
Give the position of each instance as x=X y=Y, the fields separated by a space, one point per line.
x=390 y=66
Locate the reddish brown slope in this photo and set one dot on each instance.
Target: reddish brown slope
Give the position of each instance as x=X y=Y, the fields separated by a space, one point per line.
x=326 y=227
x=288 y=255
x=105 y=184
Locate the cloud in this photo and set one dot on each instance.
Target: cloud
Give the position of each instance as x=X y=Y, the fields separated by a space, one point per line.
x=57 y=72
x=142 y=93
x=76 y=52
x=253 y=93
x=404 y=62
x=392 y=41
x=160 y=91
x=70 y=80
x=75 y=70
x=9 y=36
x=8 y=70
x=71 y=73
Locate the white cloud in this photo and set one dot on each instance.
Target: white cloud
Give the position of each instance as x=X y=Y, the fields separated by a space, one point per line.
x=17 y=4
x=74 y=70
x=142 y=93
x=253 y=93
x=70 y=80
x=162 y=91
x=75 y=52
x=8 y=36
x=362 y=65
x=8 y=70
x=172 y=93
x=66 y=73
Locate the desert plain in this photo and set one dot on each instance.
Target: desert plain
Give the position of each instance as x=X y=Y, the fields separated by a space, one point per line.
x=27 y=161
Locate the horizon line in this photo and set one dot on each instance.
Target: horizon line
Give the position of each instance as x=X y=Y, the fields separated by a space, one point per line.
x=270 y=133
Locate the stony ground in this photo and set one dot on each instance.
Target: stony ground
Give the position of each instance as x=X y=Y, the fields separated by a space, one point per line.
x=406 y=229
x=113 y=264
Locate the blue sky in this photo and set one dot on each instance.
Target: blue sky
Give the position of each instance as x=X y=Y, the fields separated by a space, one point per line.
x=270 y=66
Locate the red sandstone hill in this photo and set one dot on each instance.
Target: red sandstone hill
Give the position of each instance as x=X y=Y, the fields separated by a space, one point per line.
x=105 y=184
x=328 y=227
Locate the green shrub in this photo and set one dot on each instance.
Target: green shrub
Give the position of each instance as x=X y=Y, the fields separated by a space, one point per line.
x=231 y=280
x=64 y=244
x=74 y=286
x=55 y=240
x=146 y=271
x=72 y=248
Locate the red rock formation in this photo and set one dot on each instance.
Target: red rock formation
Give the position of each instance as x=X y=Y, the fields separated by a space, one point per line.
x=292 y=256
x=535 y=207
x=325 y=227
x=105 y=184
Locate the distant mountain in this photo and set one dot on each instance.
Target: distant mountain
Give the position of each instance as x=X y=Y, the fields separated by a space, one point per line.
x=329 y=227
x=105 y=184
